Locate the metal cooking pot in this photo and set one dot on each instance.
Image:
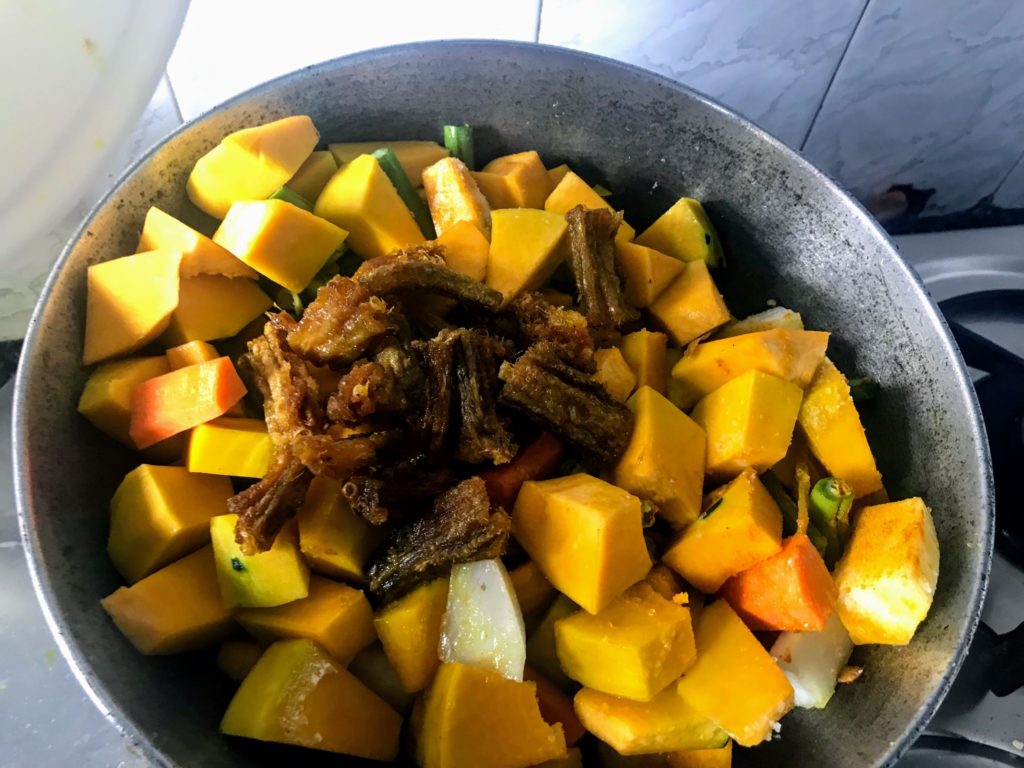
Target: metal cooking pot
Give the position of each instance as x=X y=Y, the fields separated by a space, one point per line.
x=790 y=235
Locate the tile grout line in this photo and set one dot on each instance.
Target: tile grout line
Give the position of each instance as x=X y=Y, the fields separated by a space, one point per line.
x=835 y=73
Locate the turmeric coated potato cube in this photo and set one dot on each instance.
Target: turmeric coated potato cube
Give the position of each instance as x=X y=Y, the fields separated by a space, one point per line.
x=887 y=576
x=690 y=305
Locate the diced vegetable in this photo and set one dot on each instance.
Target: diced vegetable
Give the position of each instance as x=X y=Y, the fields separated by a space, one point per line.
x=483 y=625
x=458 y=139
x=106 y=400
x=454 y=197
x=525 y=176
x=372 y=668
x=644 y=351
x=524 y=249
x=334 y=540
x=533 y=591
x=179 y=400
x=495 y=189
x=790 y=355
x=647 y=272
x=537 y=461
x=230 y=446
x=684 y=232
x=664 y=461
x=571 y=191
x=410 y=631
x=664 y=581
x=811 y=661
x=735 y=682
x=541 y=653
x=586 y=536
x=465 y=249
x=251 y=163
x=158 y=514
x=887 y=576
x=129 y=303
x=280 y=241
x=297 y=694
x=291 y=196
x=264 y=580
x=614 y=373
x=830 y=502
x=556 y=707
x=313 y=175
x=664 y=724
x=634 y=648
x=214 y=307
x=791 y=591
x=236 y=658
x=174 y=610
x=776 y=317
x=335 y=616
x=413 y=155
x=690 y=306
x=476 y=717
x=834 y=432
x=740 y=527
x=199 y=254
x=557 y=173
x=190 y=353
x=388 y=162
x=749 y=422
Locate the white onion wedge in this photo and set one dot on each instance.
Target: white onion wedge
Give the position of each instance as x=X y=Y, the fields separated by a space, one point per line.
x=811 y=661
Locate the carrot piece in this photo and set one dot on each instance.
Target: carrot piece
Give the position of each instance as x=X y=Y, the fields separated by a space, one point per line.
x=789 y=591
x=179 y=400
x=556 y=707
x=536 y=461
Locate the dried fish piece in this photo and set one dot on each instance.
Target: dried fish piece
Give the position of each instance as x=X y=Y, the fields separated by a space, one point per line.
x=481 y=434
x=568 y=402
x=460 y=528
x=435 y=419
x=390 y=490
x=538 y=320
x=264 y=508
x=367 y=388
x=592 y=263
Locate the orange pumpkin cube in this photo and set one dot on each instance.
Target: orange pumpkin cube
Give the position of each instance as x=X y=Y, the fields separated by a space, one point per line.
x=644 y=351
x=199 y=254
x=614 y=373
x=466 y=249
x=691 y=305
x=648 y=272
x=410 y=630
x=454 y=197
x=571 y=191
x=525 y=176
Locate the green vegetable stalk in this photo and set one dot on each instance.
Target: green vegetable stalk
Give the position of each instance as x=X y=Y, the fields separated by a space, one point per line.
x=293 y=197
x=458 y=139
x=390 y=165
x=831 y=500
x=790 y=513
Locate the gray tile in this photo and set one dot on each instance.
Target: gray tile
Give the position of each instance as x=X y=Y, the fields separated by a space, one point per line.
x=930 y=93
x=770 y=60
x=1011 y=193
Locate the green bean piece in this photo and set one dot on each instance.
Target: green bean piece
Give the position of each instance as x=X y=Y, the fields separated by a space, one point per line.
x=602 y=190
x=458 y=139
x=831 y=500
x=293 y=197
x=790 y=514
x=417 y=205
x=863 y=389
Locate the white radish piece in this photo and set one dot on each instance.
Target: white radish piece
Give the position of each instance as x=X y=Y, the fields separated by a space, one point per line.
x=811 y=661
x=482 y=624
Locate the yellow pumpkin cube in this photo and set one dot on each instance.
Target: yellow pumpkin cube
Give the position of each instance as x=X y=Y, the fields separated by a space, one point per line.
x=749 y=422
x=199 y=254
x=541 y=652
x=675 y=391
x=790 y=355
x=235 y=658
x=159 y=514
x=190 y=353
x=770 y=319
x=410 y=631
x=263 y=580
x=279 y=240
x=335 y=616
x=373 y=669
x=664 y=461
x=106 y=400
x=475 y=717
x=361 y=199
x=887 y=576
x=129 y=303
x=644 y=351
x=735 y=681
x=297 y=694
x=524 y=249
x=413 y=156
x=684 y=232
x=174 y=610
x=614 y=373
x=741 y=527
x=691 y=305
x=665 y=723
x=557 y=173
x=335 y=540
x=465 y=249
x=313 y=175
x=647 y=272
x=495 y=189
x=230 y=446
x=453 y=197
x=832 y=426
x=214 y=307
x=533 y=591
x=251 y=163
x=525 y=176
x=572 y=191
x=586 y=536
x=638 y=644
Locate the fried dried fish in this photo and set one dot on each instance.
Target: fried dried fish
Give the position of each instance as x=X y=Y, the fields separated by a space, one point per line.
x=567 y=402
x=592 y=263
x=366 y=389
x=481 y=435
x=264 y=508
x=394 y=490
x=460 y=528
x=433 y=424
x=538 y=320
